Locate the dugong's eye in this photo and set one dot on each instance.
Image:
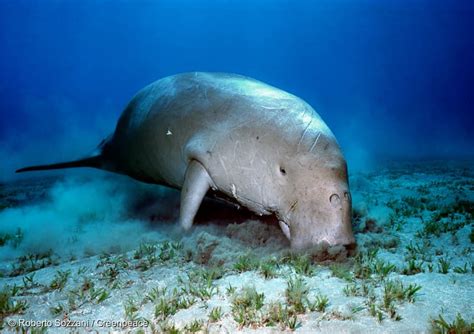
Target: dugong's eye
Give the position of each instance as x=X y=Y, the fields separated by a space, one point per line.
x=335 y=199
x=282 y=170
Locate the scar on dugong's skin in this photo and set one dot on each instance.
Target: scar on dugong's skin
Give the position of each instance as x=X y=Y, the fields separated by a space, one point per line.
x=257 y=145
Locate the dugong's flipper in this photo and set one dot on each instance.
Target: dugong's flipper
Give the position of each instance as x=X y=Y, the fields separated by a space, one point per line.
x=196 y=184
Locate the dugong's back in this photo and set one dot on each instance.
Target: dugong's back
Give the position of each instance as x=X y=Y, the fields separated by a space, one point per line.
x=172 y=117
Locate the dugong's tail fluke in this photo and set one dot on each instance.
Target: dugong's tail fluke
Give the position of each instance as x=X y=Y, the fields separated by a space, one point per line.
x=95 y=161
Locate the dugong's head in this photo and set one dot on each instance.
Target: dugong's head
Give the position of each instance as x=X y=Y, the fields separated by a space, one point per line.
x=315 y=203
x=302 y=180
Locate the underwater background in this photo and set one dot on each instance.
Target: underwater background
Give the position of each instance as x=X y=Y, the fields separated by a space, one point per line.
x=392 y=79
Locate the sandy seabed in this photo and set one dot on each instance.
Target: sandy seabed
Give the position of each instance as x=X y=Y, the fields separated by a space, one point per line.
x=103 y=254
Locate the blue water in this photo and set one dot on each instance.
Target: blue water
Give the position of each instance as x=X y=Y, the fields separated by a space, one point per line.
x=391 y=78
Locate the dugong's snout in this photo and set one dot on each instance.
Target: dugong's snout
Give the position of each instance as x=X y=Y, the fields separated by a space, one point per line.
x=325 y=221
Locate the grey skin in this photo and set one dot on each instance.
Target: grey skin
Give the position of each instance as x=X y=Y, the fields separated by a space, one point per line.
x=263 y=148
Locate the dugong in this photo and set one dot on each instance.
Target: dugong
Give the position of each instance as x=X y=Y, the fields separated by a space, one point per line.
x=246 y=141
